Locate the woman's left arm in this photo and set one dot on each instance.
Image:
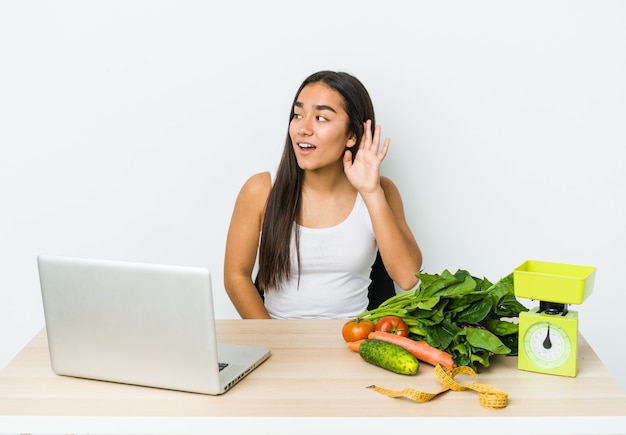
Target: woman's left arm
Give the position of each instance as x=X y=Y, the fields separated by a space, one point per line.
x=397 y=245
x=399 y=250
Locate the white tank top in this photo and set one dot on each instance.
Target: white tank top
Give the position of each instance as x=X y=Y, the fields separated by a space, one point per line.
x=335 y=271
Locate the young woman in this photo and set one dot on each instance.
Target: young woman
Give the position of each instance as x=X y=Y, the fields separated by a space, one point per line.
x=318 y=223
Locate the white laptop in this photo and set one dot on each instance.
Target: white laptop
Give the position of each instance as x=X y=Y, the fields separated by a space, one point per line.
x=135 y=323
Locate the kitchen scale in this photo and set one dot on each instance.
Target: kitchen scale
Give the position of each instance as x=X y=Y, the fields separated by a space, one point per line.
x=548 y=334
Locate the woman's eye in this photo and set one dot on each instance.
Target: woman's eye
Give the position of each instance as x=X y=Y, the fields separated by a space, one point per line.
x=321 y=118
x=296 y=116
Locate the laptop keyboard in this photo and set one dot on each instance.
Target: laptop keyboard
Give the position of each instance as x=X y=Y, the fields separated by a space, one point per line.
x=222 y=366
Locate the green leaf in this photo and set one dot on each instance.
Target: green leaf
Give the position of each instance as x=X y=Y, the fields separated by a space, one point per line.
x=512 y=342
x=476 y=312
x=442 y=334
x=457 y=290
x=482 y=284
x=509 y=306
x=428 y=303
x=460 y=354
x=501 y=327
x=485 y=339
x=501 y=288
x=432 y=284
x=481 y=357
x=461 y=274
x=457 y=305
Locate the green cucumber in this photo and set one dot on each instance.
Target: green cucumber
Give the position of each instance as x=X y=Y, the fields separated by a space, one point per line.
x=389 y=356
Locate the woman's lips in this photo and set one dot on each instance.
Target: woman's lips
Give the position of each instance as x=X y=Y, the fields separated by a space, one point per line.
x=306 y=148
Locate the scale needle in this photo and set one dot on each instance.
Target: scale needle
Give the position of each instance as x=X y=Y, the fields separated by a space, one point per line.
x=547 y=344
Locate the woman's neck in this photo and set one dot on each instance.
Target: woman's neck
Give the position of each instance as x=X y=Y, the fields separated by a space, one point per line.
x=326 y=180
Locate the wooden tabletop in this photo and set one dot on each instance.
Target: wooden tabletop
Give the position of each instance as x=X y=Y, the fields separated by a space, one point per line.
x=311 y=380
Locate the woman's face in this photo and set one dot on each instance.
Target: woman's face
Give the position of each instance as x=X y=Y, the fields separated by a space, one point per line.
x=319 y=128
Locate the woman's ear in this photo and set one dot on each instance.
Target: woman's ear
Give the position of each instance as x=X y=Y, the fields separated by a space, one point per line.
x=351 y=140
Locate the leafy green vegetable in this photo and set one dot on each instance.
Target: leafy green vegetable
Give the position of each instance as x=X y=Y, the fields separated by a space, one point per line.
x=468 y=317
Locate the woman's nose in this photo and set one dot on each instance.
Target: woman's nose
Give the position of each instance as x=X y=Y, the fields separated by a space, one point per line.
x=305 y=127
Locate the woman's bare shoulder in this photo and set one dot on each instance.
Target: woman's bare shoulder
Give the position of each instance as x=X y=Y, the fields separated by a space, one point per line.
x=260 y=180
x=391 y=193
x=257 y=187
x=387 y=184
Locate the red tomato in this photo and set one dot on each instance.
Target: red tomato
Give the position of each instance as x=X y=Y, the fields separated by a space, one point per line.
x=357 y=329
x=393 y=325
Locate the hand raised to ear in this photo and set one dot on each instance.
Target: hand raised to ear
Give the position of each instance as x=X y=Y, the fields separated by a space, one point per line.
x=364 y=172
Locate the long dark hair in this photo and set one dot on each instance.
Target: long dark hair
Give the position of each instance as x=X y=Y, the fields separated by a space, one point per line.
x=284 y=201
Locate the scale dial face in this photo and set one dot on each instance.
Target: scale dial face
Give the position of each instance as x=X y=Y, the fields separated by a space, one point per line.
x=547 y=345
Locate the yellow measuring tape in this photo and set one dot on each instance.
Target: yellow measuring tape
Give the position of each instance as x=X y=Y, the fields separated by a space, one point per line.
x=489 y=396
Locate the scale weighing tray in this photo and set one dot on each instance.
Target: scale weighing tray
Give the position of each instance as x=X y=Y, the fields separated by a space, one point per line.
x=553 y=282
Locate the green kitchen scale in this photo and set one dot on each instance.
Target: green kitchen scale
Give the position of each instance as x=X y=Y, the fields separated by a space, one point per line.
x=548 y=334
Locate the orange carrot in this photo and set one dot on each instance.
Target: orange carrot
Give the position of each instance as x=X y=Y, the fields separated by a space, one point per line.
x=420 y=349
x=354 y=345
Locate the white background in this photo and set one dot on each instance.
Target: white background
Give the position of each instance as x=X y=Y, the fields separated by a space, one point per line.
x=128 y=127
